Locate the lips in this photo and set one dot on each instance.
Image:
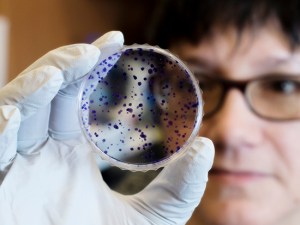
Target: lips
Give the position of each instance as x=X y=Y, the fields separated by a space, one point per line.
x=236 y=176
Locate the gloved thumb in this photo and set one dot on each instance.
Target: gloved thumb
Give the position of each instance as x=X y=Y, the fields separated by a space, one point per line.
x=179 y=187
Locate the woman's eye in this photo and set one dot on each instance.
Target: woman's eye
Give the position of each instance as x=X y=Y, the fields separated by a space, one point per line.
x=284 y=86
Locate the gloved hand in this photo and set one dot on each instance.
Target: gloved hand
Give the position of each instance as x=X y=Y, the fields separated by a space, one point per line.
x=48 y=171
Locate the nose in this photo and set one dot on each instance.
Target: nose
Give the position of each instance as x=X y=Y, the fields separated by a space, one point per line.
x=234 y=126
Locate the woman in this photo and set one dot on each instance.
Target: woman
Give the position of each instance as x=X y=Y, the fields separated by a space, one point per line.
x=246 y=56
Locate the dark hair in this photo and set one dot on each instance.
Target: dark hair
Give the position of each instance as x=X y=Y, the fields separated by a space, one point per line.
x=193 y=20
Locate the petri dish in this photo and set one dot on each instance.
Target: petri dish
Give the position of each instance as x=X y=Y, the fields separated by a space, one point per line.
x=140 y=108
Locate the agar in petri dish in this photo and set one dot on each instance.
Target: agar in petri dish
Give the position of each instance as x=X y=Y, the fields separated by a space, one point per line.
x=140 y=108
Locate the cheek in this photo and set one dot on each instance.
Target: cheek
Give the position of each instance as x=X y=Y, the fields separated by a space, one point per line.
x=278 y=151
x=285 y=140
x=271 y=200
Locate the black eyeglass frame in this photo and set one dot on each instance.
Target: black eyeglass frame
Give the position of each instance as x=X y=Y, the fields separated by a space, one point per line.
x=242 y=87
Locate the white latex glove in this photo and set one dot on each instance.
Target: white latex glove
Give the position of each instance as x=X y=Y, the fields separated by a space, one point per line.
x=48 y=170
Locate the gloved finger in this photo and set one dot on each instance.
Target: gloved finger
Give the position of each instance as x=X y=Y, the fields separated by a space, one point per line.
x=36 y=86
x=179 y=187
x=64 y=121
x=31 y=93
x=9 y=125
x=73 y=60
x=109 y=43
x=33 y=90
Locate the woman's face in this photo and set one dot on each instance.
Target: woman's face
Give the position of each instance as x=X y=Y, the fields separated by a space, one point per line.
x=255 y=179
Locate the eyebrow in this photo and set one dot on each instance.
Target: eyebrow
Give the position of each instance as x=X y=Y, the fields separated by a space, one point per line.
x=267 y=63
x=272 y=62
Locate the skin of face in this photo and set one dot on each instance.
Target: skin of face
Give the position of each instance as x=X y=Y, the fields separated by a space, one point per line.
x=255 y=179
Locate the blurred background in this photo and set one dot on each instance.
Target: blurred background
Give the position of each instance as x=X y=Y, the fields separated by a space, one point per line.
x=29 y=29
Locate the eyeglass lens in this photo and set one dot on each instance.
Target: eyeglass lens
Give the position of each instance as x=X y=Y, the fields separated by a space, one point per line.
x=274 y=98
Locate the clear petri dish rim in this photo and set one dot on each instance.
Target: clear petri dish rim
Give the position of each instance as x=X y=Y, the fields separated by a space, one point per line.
x=176 y=155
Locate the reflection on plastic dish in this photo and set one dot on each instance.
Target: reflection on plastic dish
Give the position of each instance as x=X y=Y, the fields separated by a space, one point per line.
x=140 y=108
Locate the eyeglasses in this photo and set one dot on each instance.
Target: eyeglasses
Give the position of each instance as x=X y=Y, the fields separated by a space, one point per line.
x=274 y=97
